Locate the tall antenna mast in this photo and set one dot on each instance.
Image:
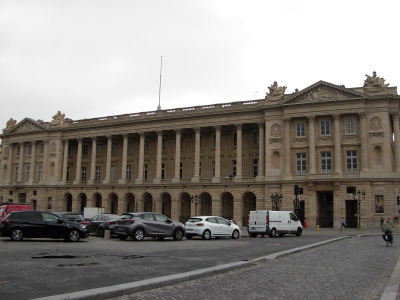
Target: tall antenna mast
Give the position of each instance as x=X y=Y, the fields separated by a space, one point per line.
x=159 y=90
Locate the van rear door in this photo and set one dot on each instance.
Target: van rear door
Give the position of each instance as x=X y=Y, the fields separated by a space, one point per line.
x=258 y=221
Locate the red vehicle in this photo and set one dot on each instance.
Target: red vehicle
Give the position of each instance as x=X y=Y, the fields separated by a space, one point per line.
x=6 y=208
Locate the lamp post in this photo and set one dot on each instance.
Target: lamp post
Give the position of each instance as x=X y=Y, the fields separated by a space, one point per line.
x=163 y=205
x=359 y=197
x=275 y=200
x=195 y=199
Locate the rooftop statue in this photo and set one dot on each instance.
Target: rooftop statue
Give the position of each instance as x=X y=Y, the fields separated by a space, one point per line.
x=11 y=123
x=58 y=118
x=374 y=83
x=275 y=92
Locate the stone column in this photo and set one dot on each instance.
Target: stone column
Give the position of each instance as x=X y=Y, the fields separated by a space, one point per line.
x=177 y=177
x=311 y=144
x=9 y=177
x=124 y=159
x=21 y=162
x=65 y=161
x=196 y=177
x=217 y=175
x=364 y=147
x=396 y=141
x=45 y=160
x=92 y=175
x=33 y=162
x=338 y=154
x=108 y=162
x=239 y=153
x=139 y=179
x=159 y=158
x=268 y=158
x=78 y=163
x=286 y=157
x=261 y=154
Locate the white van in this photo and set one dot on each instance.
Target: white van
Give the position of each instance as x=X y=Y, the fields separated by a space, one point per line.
x=273 y=223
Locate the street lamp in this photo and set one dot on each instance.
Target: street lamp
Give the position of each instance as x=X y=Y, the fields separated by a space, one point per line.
x=275 y=200
x=357 y=196
x=195 y=199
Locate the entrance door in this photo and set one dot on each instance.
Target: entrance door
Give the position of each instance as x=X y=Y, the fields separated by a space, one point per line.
x=325 y=209
x=351 y=211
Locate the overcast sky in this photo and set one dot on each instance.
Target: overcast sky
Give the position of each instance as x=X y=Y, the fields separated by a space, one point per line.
x=99 y=58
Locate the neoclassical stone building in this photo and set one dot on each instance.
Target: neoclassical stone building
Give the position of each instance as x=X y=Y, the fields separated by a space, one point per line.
x=340 y=146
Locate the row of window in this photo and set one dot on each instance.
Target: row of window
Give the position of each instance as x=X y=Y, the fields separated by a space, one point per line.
x=325 y=127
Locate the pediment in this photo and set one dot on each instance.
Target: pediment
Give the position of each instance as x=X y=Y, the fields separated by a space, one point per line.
x=28 y=125
x=322 y=92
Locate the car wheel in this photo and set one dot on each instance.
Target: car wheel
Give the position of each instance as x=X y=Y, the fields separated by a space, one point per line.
x=101 y=232
x=273 y=233
x=235 y=234
x=189 y=236
x=206 y=234
x=299 y=231
x=73 y=235
x=178 y=235
x=161 y=238
x=17 y=234
x=138 y=234
x=122 y=237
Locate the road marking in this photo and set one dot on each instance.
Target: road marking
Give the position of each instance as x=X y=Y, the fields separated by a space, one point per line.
x=1 y=282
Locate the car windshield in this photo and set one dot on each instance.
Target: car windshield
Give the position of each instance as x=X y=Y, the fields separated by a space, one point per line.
x=72 y=217
x=194 y=220
x=115 y=217
x=127 y=216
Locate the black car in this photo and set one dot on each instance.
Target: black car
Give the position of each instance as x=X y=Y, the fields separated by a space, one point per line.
x=100 y=223
x=40 y=224
x=71 y=217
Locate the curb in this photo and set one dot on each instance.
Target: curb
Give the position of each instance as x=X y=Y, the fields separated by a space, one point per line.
x=138 y=286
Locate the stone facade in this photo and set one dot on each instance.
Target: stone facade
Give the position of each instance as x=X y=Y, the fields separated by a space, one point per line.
x=222 y=159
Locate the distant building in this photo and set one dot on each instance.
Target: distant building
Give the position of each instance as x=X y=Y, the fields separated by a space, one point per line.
x=223 y=159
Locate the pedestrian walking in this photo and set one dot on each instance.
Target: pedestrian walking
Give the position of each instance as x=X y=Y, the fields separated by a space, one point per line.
x=382 y=220
x=343 y=224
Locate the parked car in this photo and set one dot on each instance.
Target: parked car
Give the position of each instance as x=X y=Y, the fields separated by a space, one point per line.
x=100 y=223
x=40 y=224
x=146 y=224
x=6 y=208
x=211 y=226
x=71 y=217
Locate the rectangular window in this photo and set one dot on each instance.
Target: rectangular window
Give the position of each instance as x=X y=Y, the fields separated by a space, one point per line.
x=85 y=149
x=234 y=168
x=128 y=172
x=112 y=172
x=69 y=149
x=325 y=127
x=234 y=139
x=326 y=162
x=213 y=168
x=350 y=126
x=42 y=148
x=28 y=173
x=181 y=143
x=30 y=150
x=300 y=129
x=351 y=161
x=163 y=144
x=256 y=137
x=379 y=204
x=16 y=174
x=98 y=149
x=130 y=147
x=113 y=148
x=40 y=172
x=146 y=145
x=255 y=167
x=18 y=150
x=200 y=169
x=83 y=174
x=214 y=140
x=145 y=171
x=180 y=171
x=162 y=171
x=301 y=163
x=98 y=173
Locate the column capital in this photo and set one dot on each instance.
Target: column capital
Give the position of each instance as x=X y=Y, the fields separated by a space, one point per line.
x=125 y=135
x=311 y=119
x=239 y=125
x=260 y=124
x=362 y=115
x=217 y=128
x=159 y=132
x=197 y=129
x=286 y=121
x=109 y=137
x=80 y=140
x=94 y=138
x=178 y=130
x=336 y=116
x=395 y=114
x=142 y=134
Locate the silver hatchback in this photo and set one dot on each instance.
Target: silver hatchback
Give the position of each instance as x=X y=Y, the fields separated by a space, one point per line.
x=147 y=224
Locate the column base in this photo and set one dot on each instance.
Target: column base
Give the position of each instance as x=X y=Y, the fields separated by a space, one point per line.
x=216 y=179
x=156 y=181
x=139 y=181
x=238 y=178
x=195 y=179
x=122 y=181
x=260 y=178
x=106 y=181
x=175 y=180
x=76 y=181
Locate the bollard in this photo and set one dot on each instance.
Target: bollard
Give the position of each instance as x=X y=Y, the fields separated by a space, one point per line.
x=361 y=229
x=107 y=234
x=317 y=228
x=341 y=230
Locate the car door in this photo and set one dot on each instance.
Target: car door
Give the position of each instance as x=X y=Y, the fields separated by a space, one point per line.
x=164 y=225
x=224 y=227
x=33 y=224
x=213 y=226
x=149 y=223
x=54 y=227
x=294 y=222
x=93 y=224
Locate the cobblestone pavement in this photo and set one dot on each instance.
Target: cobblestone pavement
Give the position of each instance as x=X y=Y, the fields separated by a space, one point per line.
x=354 y=268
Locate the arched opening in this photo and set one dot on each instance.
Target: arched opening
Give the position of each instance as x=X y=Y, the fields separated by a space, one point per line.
x=185 y=207
x=227 y=205
x=130 y=203
x=166 y=204
x=114 y=203
x=206 y=204
x=249 y=204
x=148 y=202
x=68 y=202
x=98 y=200
x=82 y=201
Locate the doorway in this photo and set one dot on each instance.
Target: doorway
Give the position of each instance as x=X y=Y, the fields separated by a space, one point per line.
x=351 y=211
x=325 y=209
